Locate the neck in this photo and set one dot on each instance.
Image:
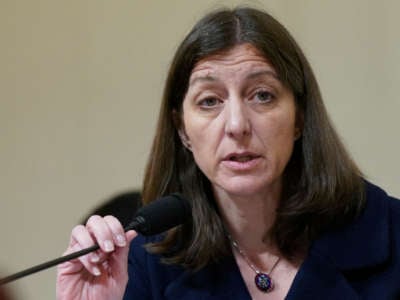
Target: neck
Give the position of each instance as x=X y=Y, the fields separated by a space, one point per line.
x=253 y=214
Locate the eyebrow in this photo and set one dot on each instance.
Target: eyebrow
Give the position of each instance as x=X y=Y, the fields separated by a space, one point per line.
x=209 y=78
x=206 y=78
x=262 y=73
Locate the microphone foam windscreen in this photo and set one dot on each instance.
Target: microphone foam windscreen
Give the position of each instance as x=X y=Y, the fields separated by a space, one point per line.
x=163 y=214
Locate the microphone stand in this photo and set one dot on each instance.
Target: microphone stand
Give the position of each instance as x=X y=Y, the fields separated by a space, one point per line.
x=154 y=218
x=134 y=224
x=47 y=264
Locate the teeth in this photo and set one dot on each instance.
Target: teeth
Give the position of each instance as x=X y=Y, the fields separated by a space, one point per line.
x=242 y=158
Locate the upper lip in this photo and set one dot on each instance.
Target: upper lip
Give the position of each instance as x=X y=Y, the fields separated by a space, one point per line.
x=241 y=154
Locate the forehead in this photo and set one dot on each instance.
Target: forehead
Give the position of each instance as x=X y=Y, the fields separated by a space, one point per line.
x=236 y=58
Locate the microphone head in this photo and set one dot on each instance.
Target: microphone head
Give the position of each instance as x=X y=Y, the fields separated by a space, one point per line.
x=163 y=214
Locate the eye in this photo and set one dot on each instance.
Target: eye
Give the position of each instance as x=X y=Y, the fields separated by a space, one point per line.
x=263 y=96
x=209 y=102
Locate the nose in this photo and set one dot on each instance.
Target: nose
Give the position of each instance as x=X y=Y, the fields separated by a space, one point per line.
x=237 y=123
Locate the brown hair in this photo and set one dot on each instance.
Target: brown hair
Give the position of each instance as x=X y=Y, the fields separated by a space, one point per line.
x=322 y=186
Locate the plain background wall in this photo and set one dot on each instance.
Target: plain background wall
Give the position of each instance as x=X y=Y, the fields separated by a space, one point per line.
x=80 y=85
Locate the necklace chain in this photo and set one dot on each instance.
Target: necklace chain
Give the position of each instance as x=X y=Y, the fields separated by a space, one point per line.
x=247 y=260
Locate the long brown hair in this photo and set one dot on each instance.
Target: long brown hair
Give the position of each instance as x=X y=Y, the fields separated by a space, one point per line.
x=322 y=186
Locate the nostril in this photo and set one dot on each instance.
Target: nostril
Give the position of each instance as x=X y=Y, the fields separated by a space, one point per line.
x=241 y=128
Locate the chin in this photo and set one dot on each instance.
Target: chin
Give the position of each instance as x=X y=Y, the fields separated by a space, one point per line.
x=245 y=187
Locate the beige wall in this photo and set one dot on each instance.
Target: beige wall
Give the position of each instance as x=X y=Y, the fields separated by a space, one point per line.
x=80 y=83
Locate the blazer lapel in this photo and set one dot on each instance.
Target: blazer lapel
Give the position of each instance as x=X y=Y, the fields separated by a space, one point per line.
x=219 y=281
x=361 y=245
x=319 y=279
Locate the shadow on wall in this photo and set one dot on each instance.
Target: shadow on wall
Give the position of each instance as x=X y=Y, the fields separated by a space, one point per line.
x=122 y=206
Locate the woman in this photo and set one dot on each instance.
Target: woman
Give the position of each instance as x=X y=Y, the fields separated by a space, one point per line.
x=279 y=209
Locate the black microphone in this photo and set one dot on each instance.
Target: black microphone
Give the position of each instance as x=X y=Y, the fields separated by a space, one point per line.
x=161 y=215
x=156 y=217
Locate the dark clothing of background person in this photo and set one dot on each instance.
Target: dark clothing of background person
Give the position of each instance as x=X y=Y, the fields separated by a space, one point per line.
x=122 y=206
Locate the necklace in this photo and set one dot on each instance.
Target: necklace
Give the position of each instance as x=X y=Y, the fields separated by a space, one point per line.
x=262 y=280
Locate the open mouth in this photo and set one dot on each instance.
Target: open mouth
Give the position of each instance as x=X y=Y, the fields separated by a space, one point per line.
x=242 y=158
x=242 y=161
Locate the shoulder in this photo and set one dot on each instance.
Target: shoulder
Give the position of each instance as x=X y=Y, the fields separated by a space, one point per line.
x=381 y=215
x=367 y=240
x=137 y=250
x=147 y=274
x=150 y=278
x=148 y=262
x=377 y=197
x=393 y=214
x=363 y=256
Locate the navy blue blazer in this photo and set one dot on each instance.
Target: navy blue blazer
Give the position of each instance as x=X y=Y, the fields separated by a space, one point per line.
x=360 y=261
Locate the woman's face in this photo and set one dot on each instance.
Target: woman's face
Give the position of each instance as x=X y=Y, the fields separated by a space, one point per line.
x=239 y=121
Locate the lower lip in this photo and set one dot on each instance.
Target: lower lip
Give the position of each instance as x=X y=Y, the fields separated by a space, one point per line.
x=241 y=166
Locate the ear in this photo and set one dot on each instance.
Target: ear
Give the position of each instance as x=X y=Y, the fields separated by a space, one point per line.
x=299 y=125
x=184 y=138
x=181 y=129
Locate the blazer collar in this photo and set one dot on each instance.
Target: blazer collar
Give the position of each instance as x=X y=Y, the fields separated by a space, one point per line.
x=218 y=281
x=318 y=278
x=364 y=243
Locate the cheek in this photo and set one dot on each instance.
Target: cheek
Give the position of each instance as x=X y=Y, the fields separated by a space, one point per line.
x=194 y=131
x=279 y=136
x=202 y=132
x=204 y=138
x=277 y=125
x=286 y=131
x=203 y=153
x=196 y=134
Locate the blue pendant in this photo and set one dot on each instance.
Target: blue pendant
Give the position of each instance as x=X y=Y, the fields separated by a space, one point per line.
x=263 y=282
